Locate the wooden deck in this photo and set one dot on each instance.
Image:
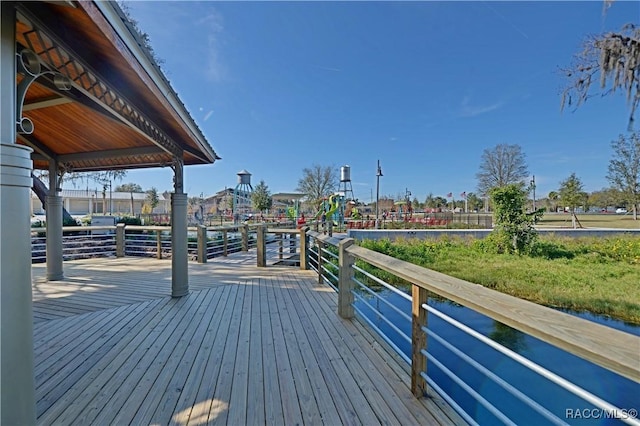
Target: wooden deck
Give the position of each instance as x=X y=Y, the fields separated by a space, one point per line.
x=246 y=346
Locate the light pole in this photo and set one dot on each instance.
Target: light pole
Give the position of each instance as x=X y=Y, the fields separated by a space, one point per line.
x=533 y=187
x=407 y=199
x=378 y=174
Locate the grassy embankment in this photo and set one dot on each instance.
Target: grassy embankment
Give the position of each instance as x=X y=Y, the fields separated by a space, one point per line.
x=608 y=220
x=598 y=275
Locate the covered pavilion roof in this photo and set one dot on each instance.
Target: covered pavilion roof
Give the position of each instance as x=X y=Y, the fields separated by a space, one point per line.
x=118 y=110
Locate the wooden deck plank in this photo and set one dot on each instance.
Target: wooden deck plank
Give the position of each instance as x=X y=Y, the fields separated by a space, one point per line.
x=166 y=388
x=89 y=356
x=270 y=383
x=345 y=390
x=379 y=370
x=304 y=391
x=89 y=390
x=292 y=410
x=207 y=375
x=52 y=370
x=144 y=371
x=219 y=410
x=255 y=413
x=246 y=346
x=310 y=353
x=180 y=393
x=237 y=412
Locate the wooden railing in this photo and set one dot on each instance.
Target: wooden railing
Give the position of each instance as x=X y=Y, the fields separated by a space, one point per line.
x=154 y=241
x=614 y=350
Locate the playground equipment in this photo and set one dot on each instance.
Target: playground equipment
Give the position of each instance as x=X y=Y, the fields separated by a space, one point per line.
x=242 y=196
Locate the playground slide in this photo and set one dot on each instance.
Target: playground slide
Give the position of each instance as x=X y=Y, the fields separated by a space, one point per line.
x=333 y=207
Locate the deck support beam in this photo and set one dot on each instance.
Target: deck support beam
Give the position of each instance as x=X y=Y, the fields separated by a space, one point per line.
x=17 y=399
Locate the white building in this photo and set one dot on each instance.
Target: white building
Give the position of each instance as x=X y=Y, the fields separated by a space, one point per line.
x=80 y=202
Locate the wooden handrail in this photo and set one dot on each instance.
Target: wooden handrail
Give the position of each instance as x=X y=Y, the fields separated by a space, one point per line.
x=612 y=349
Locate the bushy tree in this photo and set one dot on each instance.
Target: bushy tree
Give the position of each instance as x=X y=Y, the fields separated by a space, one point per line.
x=503 y=165
x=514 y=228
x=624 y=169
x=318 y=182
x=474 y=203
x=571 y=195
x=261 y=197
x=129 y=187
x=152 y=199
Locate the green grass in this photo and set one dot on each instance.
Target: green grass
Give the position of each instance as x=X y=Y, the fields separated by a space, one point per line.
x=608 y=220
x=598 y=275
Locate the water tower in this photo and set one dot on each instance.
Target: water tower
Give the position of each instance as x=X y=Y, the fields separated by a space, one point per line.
x=242 y=195
x=346 y=191
x=345 y=183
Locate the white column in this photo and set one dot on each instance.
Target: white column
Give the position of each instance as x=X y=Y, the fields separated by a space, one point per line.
x=180 y=253
x=54 y=226
x=179 y=256
x=17 y=383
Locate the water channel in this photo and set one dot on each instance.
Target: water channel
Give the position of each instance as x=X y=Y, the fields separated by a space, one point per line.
x=609 y=386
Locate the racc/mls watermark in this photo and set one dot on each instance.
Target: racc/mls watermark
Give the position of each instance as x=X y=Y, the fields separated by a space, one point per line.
x=599 y=413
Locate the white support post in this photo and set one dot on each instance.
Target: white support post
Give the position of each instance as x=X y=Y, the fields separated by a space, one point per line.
x=179 y=251
x=179 y=248
x=53 y=214
x=17 y=382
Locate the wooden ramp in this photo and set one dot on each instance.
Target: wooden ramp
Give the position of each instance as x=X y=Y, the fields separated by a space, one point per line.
x=247 y=346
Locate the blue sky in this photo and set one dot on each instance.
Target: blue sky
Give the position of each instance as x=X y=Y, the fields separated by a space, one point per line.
x=424 y=87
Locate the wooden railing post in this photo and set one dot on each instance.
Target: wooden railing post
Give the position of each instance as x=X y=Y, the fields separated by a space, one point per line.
x=345 y=279
x=304 y=253
x=244 y=230
x=225 y=242
x=280 y=238
x=262 y=246
x=159 y=244
x=319 y=263
x=202 y=244
x=120 y=239
x=418 y=341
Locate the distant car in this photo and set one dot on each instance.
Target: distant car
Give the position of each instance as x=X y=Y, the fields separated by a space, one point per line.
x=621 y=210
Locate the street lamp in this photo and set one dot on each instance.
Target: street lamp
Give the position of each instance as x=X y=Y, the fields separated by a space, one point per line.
x=378 y=174
x=533 y=187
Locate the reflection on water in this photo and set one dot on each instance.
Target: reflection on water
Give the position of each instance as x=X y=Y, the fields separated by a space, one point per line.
x=599 y=381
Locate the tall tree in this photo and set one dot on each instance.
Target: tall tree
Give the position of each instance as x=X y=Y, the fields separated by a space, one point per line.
x=129 y=187
x=624 y=169
x=503 y=165
x=553 y=200
x=474 y=203
x=571 y=194
x=152 y=198
x=261 y=197
x=613 y=59
x=318 y=182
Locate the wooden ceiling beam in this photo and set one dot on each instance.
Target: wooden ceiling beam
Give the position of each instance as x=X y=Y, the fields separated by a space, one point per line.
x=46 y=103
x=37 y=146
x=110 y=154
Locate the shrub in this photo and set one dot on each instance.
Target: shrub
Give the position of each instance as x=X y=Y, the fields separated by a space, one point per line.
x=129 y=220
